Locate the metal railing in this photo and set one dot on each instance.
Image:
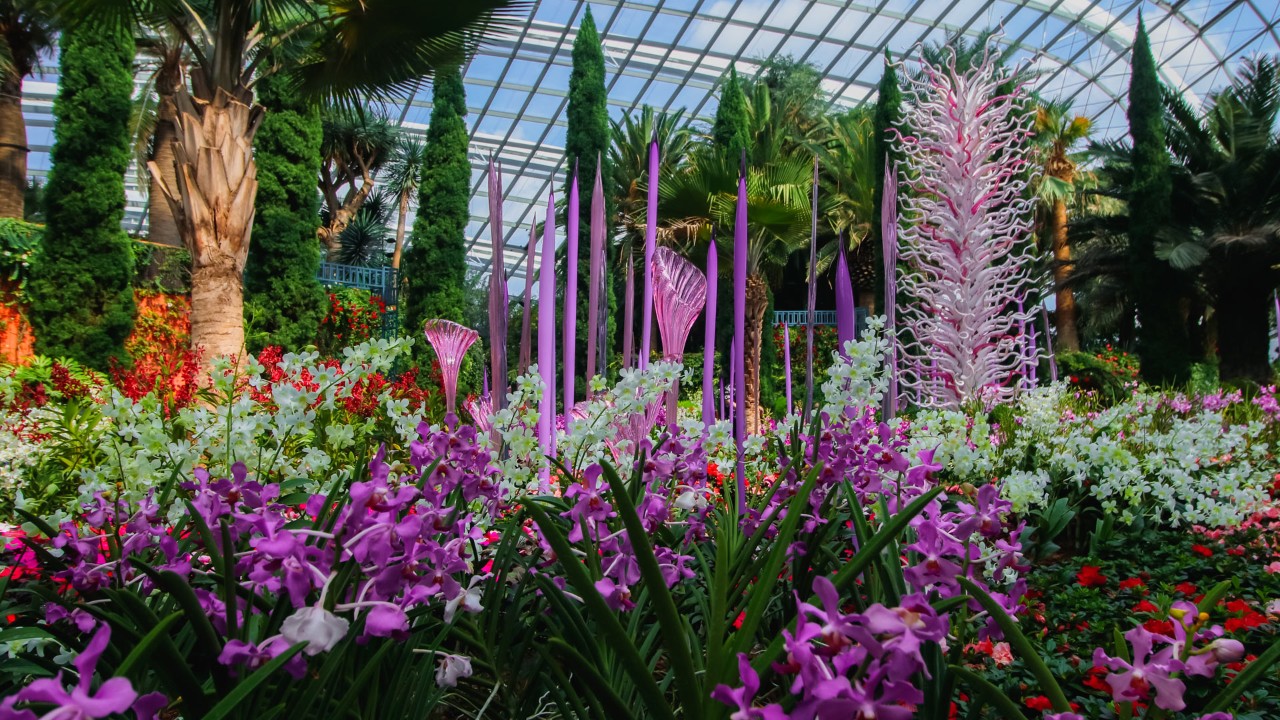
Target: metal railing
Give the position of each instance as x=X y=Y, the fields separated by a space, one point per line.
x=381 y=281
x=801 y=317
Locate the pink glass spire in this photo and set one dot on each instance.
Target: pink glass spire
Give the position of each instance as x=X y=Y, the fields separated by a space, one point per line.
x=680 y=291
x=498 y=298
x=571 y=296
x=709 y=337
x=650 y=242
x=450 y=341
x=547 y=332
x=595 y=330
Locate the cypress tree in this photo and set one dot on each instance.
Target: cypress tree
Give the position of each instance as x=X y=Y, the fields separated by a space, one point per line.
x=587 y=138
x=80 y=286
x=287 y=300
x=434 y=267
x=888 y=112
x=729 y=131
x=1163 y=346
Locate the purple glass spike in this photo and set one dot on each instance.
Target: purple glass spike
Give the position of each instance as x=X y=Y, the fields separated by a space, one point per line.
x=739 y=332
x=650 y=243
x=450 y=341
x=596 y=284
x=498 y=298
x=733 y=375
x=680 y=292
x=813 y=296
x=547 y=332
x=845 y=328
x=526 y=342
x=709 y=336
x=1048 y=339
x=786 y=362
x=723 y=412
x=629 y=314
x=889 y=251
x=571 y=296
x=484 y=383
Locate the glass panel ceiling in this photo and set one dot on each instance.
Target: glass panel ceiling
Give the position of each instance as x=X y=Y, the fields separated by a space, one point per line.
x=672 y=53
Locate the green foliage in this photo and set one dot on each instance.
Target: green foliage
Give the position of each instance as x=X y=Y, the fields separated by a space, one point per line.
x=434 y=267
x=588 y=137
x=19 y=242
x=1091 y=373
x=730 y=132
x=283 y=294
x=81 y=302
x=1162 y=340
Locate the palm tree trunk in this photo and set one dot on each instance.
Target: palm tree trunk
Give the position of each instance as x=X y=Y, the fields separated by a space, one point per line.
x=162 y=226
x=400 y=226
x=1068 y=339
x=213 y=203
x=331 y=234
x=1244 y=326
x=757 y=303
x=13 y=149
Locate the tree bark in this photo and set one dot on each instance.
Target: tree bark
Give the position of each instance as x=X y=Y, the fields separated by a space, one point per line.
x=1068 y=339
x=1244 y=326
x=162 y=226
x=757 y=303
x=339 y=219
x=13 y=149
x=213 y=202
x=400 y=227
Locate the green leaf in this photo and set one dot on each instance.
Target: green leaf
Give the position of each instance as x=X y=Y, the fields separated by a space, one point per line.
x=673 y=632
x=144 y=647
x=1242 y=682
x=616 y=635
x=1021 y=645
x=244 y=689
x=1007 y=709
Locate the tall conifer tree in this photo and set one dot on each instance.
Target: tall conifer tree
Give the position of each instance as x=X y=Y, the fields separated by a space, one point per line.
x=80 y=286
x=1163 y=346
x=587 y=138
x=283 y=293
x=434 y=268
x=729 y=132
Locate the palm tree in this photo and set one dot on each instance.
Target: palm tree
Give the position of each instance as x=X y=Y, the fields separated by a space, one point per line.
x=332 y=48
x=27 y=29
x=155 y=130
x=629 y=164
x=848 y=167
x=1226 y=173
x=404 y=173
x=778 y=200
x=364 y=240
x=1056 y=132
x=357 y=144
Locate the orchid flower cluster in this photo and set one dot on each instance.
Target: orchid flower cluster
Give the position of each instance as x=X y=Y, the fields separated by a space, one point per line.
x=404 y=538
x=863 y=664
x=1170 y=460
x=1153 y=666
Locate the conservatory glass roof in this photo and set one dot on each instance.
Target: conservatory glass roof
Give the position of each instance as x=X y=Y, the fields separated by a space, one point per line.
x=672 y=53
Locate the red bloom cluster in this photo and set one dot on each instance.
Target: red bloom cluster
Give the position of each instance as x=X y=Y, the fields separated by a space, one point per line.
x=354 y=316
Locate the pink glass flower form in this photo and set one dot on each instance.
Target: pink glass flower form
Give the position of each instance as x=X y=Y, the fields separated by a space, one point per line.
x=680 y=294
x=450 y=341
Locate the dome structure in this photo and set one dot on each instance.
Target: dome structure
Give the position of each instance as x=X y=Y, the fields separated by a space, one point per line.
x=672 y=53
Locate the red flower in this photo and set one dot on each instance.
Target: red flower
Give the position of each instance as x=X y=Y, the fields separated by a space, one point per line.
x=1185 y=588
x=1146 y=606
x=1202 y=550
x=1090 y=577
x=1158 y=627
x=1129 y=583
x=1251 y=619
x=1039 y=703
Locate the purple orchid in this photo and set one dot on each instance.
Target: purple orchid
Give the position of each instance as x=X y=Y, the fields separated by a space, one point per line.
x=1132 y=681
x=741 y=698
x=112 y=697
